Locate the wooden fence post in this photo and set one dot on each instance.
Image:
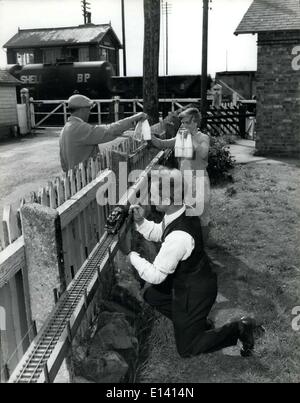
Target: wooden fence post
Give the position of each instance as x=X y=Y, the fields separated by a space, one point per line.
x=65 y=113
x=116 y=108
x=99 y=113
x=234 y=98
x=25 y=100
x=32 y=115
x=242 y=120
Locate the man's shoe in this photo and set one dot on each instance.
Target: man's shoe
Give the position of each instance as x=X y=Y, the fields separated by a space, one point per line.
x=249 y=329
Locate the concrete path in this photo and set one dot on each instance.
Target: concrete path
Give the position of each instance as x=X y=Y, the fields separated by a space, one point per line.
x=243 y=152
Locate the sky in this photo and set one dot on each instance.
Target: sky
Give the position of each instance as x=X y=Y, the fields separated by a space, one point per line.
x=185 y=30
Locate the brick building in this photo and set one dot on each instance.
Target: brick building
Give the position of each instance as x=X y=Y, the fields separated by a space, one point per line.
x=277 y=24
x=83 y=43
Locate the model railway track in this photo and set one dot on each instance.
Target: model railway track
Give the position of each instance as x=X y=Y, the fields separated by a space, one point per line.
x=43 y=359
x=34 y=363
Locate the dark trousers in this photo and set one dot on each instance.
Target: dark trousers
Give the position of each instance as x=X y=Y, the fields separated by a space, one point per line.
x=188 y=305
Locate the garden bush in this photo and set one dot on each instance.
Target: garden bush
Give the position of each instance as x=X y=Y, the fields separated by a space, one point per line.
x=220 y=161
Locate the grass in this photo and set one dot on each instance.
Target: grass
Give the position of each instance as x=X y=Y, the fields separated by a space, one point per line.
x=257 y=233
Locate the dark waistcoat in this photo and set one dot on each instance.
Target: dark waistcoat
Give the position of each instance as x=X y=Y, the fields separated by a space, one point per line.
x=197 y=263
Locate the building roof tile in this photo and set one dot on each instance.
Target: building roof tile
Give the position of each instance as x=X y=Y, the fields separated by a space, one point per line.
x=90 y=33
x=6 y=78
x=270 y=15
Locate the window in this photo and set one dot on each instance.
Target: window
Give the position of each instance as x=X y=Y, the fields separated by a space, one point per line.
x=84 y=54
x=110 y=55
x=74 y=54
x=25 y=57
x=71 y=54
x=51 y=55
x=103 y=54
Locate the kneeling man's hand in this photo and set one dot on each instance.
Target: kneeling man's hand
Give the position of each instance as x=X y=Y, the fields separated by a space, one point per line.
x=125 y=242
x=138 y=213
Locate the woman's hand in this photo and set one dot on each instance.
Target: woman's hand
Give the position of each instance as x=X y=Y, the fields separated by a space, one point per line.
x=141 y=116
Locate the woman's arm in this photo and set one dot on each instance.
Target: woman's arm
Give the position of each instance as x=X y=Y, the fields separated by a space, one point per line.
x=203 y=146
x=163 y=144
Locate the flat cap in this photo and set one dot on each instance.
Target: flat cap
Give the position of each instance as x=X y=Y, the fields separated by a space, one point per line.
x=79 y=101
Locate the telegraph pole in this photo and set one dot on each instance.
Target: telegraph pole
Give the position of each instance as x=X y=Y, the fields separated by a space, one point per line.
x=86 y=11
x=124 y=39
x=151 y=58
x=167 y=8
x=204 y=63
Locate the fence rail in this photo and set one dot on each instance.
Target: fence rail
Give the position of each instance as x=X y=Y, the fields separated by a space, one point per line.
x=228 y=119
x=103 y=110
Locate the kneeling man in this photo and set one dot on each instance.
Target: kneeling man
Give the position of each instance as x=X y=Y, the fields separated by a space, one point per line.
x=183 y=285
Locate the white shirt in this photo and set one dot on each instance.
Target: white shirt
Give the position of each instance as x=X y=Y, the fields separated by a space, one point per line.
x=178 y=245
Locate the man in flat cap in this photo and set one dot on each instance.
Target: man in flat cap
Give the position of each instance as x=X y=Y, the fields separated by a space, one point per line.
x=79 y=140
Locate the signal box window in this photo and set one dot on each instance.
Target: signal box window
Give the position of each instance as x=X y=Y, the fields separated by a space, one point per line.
x=51 y=55
x=84 y=55
x=24 y=58
x=71 y=54
x=103 y=54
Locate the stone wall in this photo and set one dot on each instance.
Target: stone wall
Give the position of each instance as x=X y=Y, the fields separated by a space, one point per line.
x=278 y=93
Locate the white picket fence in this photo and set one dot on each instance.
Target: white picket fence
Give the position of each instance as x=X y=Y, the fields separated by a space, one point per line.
x=73 y=196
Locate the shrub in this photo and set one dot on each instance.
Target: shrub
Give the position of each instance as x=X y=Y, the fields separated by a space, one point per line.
x=220 y=161
x=230 y=138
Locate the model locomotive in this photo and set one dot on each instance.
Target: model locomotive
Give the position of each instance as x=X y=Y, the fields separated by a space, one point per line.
x=116 y=219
